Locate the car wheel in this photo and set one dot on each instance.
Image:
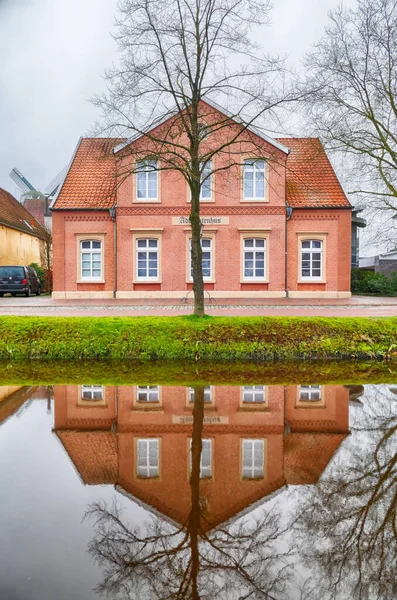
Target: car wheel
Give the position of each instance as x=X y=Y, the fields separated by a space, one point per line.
x=13 y=294
x=1 y=294
x=38 y=291
x=28 y=293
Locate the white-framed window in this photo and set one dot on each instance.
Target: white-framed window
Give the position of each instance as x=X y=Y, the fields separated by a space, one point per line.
x=147 y=180
x=254 y=179
x=254 y=258
x=207 y=394
x=253 y=460
x=92 y=393
x=147 y=258
x=91 y=259
x=309 y=393
x=148 y=393
x=206 y=260
x=254 y=394
x=206 y=181
x=205 y=459
x=148 y=458
x=311 y=259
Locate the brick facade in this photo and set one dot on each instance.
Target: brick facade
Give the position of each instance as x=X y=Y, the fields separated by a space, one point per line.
x=305 y=183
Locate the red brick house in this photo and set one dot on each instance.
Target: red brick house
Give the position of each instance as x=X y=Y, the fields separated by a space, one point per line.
x=276 y=224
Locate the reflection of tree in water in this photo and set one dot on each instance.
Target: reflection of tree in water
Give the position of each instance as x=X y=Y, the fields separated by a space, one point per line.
x=349 y=527
x=240 y=561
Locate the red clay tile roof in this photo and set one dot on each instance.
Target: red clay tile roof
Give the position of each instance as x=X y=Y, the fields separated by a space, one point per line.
x=307 y=454
x=14 y=215
x=91 y=183
x=91 y=180
x=94 y=454
x=311 y=180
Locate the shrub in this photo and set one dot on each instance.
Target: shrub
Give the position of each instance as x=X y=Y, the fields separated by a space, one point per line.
x=368 y=282
x=40 y=272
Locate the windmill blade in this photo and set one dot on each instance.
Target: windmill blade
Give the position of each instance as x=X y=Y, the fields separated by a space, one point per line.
x=53 y=187
x=21 y=181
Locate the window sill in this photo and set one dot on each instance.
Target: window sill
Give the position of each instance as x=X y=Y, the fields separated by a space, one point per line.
x=147 y=201
x=147 y=280
x=252 y=280
x=263 y=200
x=313 y=280
x=207 y=406
x=190 y=281
x=90 y=281
x=203 y=201
x=148 y=408
x=254 y=407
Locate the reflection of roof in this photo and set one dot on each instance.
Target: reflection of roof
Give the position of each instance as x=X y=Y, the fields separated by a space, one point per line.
x=14 y=215
x=12 y=403
x=94 y=454
x=307 y=454
x=91 y=180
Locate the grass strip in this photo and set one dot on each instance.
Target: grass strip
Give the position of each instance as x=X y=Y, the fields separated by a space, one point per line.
x=202 y=373
x=188 y=338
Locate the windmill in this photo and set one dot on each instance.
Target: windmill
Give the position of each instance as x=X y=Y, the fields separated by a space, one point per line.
x=28 y=191
x=24 y=185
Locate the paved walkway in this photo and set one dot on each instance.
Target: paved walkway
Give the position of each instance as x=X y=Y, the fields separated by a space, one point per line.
x=357 y=306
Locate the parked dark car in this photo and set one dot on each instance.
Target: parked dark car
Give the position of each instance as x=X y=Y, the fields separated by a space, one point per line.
x=19 y=280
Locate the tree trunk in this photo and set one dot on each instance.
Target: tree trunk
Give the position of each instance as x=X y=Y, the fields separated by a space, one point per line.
x=194 y=525
x=197 y=265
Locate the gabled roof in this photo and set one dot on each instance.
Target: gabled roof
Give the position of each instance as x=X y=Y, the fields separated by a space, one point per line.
x=215 y=106
x=15 y=216
x=91 y=180
x=311 y=179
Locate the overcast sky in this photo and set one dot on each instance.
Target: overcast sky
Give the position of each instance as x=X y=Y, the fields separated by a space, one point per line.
x=52 y=57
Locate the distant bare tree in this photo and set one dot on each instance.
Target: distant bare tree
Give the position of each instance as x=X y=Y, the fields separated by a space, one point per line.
x=174 y=55
x=349 y=522
x=239 y=561
x=353 y=83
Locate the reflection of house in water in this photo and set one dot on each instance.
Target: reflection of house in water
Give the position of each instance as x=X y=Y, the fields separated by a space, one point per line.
x=256 y=439
x=12 y=398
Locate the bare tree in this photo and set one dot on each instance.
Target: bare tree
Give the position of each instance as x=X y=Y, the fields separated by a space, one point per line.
x=349 y=522
x=174 y=56
x=232 y=562
x=353 y=83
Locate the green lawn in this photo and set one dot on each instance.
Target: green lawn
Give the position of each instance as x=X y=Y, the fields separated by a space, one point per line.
x=188 y=338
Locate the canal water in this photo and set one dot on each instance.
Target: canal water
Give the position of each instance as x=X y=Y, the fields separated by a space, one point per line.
x=213 y=491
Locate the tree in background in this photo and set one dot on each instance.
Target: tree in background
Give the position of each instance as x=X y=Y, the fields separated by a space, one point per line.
x=174 y=56
x=352 y=82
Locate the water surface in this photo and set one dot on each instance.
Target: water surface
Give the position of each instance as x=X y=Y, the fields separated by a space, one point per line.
x=212 y=491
